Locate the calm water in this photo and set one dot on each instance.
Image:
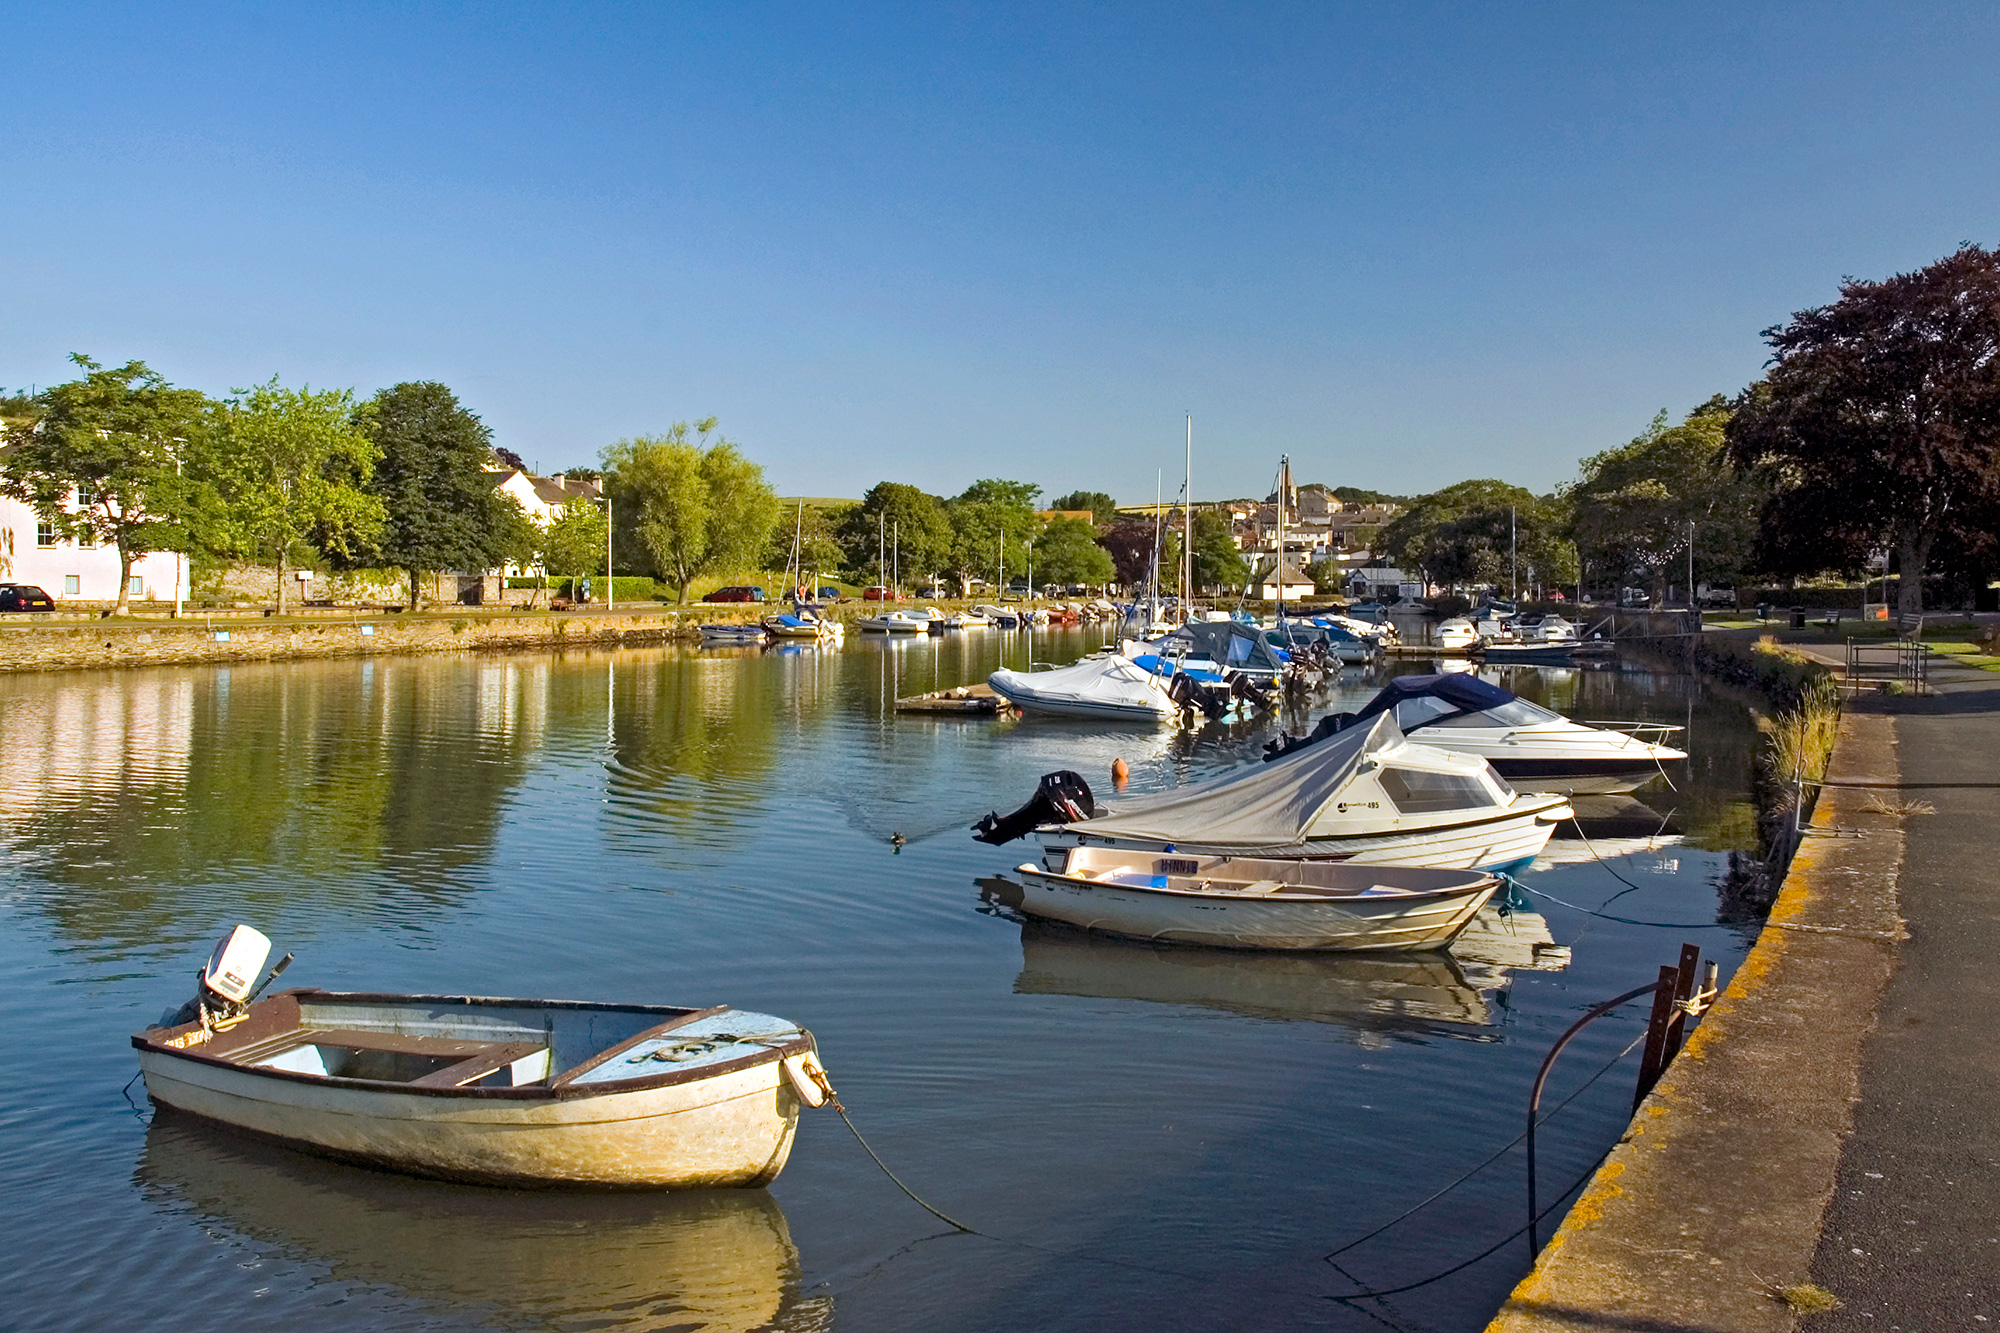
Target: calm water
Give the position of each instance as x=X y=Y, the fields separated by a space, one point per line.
x=1164 y=1138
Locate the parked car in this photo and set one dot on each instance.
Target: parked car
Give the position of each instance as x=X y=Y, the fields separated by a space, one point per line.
x=1718 y=596
x=827 y=593
x=877 y=593
x=735 y=593
x=24 y=597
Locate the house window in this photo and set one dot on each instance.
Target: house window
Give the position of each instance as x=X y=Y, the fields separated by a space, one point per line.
x=135 y=586
x=45 y=534
x=86 y=539
x=72 y=585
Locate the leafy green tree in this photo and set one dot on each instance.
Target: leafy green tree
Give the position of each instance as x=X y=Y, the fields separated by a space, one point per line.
x=993 y=525
x=1067 y=552
x=102 y=464
x=813 y=528
x=573 y=542
x=1467 y=534
x=691 y=500
x=291 y=464
x=1218 y=561
x=440 y=508
x=1103 y=509
x=1879 y=423
x=1631 y=509
x=520 y=540
x=923 y=531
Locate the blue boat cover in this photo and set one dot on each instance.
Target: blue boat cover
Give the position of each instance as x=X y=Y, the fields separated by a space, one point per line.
x=1463 y=691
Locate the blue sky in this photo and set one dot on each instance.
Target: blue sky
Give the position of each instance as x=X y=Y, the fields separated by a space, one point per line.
x=1407 y=244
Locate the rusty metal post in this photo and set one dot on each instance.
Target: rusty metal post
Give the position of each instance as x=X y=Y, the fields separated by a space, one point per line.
x=1683 y=992
x=1653 y=1059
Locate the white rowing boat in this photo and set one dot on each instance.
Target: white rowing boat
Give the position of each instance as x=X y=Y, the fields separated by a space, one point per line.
x=1256 y=902
x=496 y=1091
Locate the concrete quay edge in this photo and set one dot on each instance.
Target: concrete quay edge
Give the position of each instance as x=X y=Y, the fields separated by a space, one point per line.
x=1716 y=1192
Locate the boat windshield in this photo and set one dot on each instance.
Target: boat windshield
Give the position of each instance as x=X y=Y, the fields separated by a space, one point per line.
x=1417 y=792
x=1513 y=713
x=1413 y=713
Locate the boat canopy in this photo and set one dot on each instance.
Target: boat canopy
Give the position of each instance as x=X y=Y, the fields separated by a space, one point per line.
x=1227 y=644
x=1459 y=693
x=1269 y=805
x=1112 y=683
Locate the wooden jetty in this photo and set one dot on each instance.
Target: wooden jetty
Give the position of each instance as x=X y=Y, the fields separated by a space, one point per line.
x=965 y=701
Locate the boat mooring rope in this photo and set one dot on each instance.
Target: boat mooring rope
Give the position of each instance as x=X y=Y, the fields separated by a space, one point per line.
x=941 y=1216
x=1623 y=920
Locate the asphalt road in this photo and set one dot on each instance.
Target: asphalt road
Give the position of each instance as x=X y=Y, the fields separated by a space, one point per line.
x=1911 y=1239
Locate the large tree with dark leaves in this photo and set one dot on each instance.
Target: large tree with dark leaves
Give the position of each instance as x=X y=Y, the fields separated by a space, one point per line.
x=441 y=509
x=1879 y=423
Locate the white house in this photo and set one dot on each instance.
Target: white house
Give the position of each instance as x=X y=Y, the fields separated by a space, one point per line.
x=30 y=552
x=542 y=498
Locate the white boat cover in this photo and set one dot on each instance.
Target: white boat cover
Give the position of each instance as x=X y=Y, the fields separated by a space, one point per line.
x=1265 y=805
x=1101 y=685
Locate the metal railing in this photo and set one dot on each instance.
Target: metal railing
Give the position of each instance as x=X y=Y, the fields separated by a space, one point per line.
x=1879 y=661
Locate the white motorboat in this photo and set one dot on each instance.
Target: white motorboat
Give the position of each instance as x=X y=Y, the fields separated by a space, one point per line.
x=496 y=1091
x=972 y=619
x=998 y=616
x=1255 y=902
x=1551 y=629
x=1493 y=627
x=1456 y=635
x=1111 y=687
x=1366 y=795
x=894 y=622
x=1533 y=748
x=934 y=619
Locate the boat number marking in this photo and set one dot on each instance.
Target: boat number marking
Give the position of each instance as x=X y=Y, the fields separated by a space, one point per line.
x=1345 y=806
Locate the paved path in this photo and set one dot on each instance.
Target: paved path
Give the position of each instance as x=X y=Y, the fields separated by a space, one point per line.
x=1911 y=1239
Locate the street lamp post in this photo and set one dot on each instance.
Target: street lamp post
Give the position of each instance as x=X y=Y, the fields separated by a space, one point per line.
x=610 y=584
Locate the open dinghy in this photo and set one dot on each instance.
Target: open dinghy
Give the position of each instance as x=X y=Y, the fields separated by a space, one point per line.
x=495 y=1091
x=1256 y=903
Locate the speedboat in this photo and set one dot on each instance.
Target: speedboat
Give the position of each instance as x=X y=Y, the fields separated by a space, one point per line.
x=966 y=620
x=1254 y=902
x=1533 y=748
x=495 y=1091
x=801 y=624
x=749 y=633
x=1343 y=644
x=1456 y=635
x=998 y=616
x=1366 y=795
x=1552 y=629
x=895 y=622
x=1226 y=648
x=1109 y=687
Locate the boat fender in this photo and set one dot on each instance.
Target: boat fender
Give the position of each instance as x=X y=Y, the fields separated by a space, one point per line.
x=808 y=1078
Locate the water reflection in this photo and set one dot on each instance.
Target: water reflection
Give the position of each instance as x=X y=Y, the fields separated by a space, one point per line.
x=720 y=1260
x=1373 y=995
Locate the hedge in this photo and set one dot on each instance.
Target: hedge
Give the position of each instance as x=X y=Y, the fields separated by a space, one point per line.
x=626 y=587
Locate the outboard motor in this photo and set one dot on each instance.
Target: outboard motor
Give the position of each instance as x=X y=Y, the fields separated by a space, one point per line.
x=1060 y=798
x=228 y=985
x=1328 y=726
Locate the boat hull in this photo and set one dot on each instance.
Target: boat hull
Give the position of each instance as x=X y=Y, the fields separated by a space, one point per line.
x=1493 y=844
x=1354 y=925
x=734 y=1129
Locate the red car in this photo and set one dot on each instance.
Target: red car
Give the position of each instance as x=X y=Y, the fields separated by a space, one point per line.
x=736 y=593
x=878 y=593
x=24 y=597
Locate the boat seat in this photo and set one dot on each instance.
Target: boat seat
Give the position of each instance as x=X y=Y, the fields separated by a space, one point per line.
x=452 y=1062
x=1259 y=887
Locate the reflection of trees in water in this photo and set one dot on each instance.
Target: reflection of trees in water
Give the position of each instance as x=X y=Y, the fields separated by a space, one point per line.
x=698 y=1260
x=1709 y=799
x=290 y=782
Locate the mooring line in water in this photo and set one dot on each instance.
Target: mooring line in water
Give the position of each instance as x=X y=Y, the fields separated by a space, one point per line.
x=942 y=1217
x=1489 y=1251
x=1627 y=920
x=1497 y=1154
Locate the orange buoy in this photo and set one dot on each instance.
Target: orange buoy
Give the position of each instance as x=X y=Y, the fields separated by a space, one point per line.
x=1120 y=774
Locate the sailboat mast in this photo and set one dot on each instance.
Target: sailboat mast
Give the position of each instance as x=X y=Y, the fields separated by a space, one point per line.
x=1187 y=527
x=1284 y=485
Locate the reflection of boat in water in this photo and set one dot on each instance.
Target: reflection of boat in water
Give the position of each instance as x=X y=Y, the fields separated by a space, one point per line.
x=710 y=1260
x=1379 y=993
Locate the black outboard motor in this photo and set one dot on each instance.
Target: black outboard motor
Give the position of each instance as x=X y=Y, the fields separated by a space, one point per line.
x=1328 y=726
x=1060 y=798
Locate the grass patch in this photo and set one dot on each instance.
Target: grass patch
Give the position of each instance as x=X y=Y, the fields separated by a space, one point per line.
x=1966 y=653
x=1806 y=1298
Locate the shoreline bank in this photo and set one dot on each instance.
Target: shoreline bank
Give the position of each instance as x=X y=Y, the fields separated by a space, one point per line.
x=1716 y=1193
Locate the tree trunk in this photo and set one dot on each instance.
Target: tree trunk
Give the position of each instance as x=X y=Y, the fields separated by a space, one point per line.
x=124 y=607
x=415 y=575
x=1913 y=550
x=281 y=585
